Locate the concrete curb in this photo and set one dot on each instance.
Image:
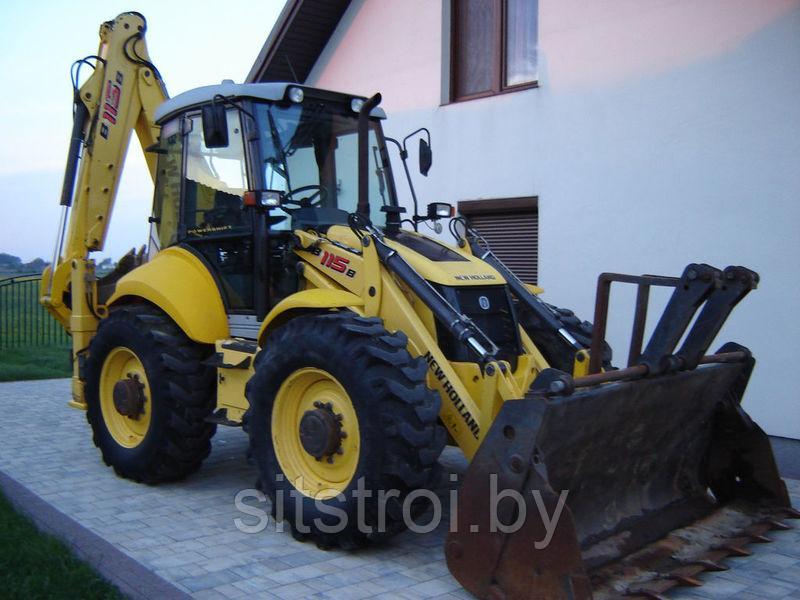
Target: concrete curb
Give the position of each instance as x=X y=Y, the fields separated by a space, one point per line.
x=131 y=577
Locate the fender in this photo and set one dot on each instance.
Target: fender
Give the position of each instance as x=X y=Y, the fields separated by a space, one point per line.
x=314 y=299
x=178 y=283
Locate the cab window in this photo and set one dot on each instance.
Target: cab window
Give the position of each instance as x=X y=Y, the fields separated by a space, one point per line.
x=168 y=185
x=214 y=219
x=310 y=153
x=215 y=180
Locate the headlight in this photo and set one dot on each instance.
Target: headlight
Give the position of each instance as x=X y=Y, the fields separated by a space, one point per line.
x=440 y=210
x=296 y=94
x=356 y=104
x=270 y=199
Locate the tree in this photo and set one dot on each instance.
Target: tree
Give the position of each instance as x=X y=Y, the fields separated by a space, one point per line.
x=9 y=261
x=37 y=265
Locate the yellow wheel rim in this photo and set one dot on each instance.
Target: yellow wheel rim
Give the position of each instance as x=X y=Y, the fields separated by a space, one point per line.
x=308 y=390
x=122 y=364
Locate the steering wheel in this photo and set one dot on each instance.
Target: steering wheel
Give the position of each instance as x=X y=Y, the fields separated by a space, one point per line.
x=313 y=201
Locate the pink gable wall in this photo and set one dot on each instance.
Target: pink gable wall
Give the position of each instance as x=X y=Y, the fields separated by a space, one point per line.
x=590 y=43
x=395 y=46
x=391 y=46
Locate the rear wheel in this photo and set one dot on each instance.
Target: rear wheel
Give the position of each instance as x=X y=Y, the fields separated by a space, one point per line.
x=337 y=404
x=148 y=394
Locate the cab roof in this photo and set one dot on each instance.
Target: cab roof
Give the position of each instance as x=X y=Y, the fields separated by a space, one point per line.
x=274 y=91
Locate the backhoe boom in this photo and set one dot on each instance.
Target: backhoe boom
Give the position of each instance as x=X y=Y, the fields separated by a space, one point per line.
x=119 y=97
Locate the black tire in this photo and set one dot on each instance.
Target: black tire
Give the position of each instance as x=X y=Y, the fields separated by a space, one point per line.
x=401 y=439
x=178 y=438
x=558 y=353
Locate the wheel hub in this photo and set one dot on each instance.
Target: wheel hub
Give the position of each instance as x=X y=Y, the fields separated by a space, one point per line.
x=129 y=397
x=321 y=432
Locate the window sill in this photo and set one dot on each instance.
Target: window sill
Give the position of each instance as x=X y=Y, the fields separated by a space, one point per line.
x=517 y=88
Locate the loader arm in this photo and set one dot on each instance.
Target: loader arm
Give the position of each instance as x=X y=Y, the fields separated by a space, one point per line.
x=120 y=96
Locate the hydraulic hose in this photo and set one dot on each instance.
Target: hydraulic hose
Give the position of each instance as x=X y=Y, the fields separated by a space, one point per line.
x=459 y=325
x=80 y=114
x=536 y=306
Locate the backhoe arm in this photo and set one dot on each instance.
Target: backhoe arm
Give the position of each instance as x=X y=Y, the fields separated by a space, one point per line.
x=121 y=96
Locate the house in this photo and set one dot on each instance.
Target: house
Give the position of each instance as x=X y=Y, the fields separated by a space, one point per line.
x=584 y=137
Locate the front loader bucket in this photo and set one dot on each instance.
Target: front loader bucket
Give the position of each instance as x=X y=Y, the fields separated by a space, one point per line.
x=663 y=476
x=631 y=481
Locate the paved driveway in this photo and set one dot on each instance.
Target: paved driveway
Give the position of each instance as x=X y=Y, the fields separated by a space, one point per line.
x=185 y=532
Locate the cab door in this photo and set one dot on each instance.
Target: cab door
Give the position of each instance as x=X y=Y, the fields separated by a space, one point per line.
x=214 y=222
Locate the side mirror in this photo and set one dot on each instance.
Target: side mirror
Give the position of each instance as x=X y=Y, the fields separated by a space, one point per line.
x=425 y=157
x=215 y=126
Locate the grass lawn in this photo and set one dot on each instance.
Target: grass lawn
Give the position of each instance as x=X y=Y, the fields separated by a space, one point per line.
x=32 y=344
x=44 y=362
x=35 y=565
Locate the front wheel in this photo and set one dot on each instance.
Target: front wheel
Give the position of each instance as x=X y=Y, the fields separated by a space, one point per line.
x=343 y=428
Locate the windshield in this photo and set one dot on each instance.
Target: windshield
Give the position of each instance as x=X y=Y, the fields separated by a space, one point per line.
x=310 y=152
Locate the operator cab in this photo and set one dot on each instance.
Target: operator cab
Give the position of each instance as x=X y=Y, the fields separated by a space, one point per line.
x=296 y=146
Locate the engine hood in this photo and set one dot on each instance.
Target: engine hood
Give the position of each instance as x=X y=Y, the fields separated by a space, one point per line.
x=435 y=261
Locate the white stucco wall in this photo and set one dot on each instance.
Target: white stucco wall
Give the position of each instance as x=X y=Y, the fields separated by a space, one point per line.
x=662 y=133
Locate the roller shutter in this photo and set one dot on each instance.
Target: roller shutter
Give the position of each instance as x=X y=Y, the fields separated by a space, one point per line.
x=511 y=227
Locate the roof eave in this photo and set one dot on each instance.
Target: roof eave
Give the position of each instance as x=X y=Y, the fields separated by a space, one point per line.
x=267 y=53
x=297 y=40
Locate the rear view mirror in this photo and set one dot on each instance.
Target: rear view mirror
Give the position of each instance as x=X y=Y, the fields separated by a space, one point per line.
x=425 y=157
x=215 y=126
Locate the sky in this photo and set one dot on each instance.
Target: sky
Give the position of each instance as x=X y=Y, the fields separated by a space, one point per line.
x=192 y=44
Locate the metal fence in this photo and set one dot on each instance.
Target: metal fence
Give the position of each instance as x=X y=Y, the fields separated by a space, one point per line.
x=23 y=321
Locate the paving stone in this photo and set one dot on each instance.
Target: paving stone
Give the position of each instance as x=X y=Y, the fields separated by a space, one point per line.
x=294 y=590
x=209 y=595
x=435 y=587
x=185 y=532
x=296 y=574
x=229 y=591
x=180 y=560
x=452 y=596
x=254 y=585
x=356 y=591
x=222 y=563
x=210 y=580
x=790 y=575
x=320 y=584
x=397 y=581
x=779 y=560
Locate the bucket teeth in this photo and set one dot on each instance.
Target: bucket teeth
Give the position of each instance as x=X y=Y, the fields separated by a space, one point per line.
x=710 y=565
x=759 y=538
x=776 y=525
x=735 y=550
x=687 y=580
x=791 y=513
x=707 y=564
x=644 y=593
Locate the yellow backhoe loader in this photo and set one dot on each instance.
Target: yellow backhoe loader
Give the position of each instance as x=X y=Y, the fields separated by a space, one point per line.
x=282 y=290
